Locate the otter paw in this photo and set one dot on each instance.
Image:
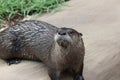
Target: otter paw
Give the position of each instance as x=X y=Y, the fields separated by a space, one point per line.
x=13 y=61
x=79 y=78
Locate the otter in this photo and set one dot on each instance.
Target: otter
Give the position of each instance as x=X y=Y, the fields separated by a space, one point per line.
x=60 y=49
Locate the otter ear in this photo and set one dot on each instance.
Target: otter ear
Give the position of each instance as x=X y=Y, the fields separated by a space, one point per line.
x=80 y=34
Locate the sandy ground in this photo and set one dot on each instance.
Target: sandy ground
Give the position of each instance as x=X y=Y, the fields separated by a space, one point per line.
x=99 y=21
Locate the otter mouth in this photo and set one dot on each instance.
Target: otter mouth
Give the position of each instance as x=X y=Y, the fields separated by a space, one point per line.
x=62 y=41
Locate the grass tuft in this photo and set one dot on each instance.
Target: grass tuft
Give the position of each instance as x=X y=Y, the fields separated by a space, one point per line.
x=13 y=9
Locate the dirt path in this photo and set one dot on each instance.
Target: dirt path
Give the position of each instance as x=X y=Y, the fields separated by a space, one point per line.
x=99 y=21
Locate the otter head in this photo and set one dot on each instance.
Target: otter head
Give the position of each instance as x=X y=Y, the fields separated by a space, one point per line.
x=67 y=37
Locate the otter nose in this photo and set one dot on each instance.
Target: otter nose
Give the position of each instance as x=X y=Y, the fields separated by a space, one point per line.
x=62 y=33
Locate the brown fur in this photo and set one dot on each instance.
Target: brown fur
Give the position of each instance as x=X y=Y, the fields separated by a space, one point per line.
x=61 y=49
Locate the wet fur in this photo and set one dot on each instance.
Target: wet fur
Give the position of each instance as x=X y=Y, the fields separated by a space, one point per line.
x=34 y=40
x=68 y=55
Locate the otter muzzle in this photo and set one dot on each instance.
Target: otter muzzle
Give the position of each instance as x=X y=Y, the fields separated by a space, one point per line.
x=62 y=41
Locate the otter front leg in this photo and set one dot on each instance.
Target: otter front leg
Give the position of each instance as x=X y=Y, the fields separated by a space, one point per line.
x=54 y=74
x=79 y=76
x=13 y=61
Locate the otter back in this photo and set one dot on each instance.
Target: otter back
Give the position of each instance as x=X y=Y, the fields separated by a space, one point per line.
x=29 y=39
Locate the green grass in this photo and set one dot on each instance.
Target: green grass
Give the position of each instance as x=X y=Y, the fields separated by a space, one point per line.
x=10 y=8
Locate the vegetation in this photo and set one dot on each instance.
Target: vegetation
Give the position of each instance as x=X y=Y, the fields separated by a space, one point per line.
x=17 y=9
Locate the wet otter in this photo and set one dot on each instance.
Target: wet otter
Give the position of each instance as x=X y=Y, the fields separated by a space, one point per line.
x=61 y=49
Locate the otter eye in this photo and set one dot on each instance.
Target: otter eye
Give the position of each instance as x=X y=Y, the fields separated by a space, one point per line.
x=81 y=34
x=71 y=32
